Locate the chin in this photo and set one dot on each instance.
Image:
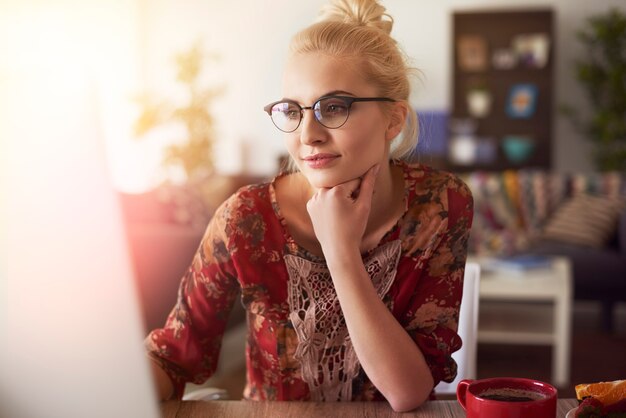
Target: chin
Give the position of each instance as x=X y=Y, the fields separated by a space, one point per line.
x=320 y=182
x=326 y=179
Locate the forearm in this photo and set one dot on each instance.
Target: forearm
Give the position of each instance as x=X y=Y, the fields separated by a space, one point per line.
x=389 y=357
x=163 y=384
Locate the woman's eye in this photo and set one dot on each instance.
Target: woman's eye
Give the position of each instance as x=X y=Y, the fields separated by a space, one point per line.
x=292 y=114
x=291 y=111
x=334 y=108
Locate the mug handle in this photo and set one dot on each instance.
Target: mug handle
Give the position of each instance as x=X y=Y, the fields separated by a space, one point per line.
x=461 y=391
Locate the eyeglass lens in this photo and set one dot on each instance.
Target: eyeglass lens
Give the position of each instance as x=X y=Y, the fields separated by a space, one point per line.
x=332 y=112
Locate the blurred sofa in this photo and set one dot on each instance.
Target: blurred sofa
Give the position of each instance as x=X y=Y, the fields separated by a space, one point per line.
x=579 y=216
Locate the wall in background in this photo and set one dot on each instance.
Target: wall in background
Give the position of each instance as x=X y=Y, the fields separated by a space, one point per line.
x=251 y=37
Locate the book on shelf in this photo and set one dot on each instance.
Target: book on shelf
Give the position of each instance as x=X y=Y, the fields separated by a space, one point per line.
x=517 y=263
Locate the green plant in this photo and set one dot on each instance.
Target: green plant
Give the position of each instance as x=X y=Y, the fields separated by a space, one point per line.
x=193 y=154
x=603 y=75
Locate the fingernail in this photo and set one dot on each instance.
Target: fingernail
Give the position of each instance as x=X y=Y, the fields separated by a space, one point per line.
x=376 y=168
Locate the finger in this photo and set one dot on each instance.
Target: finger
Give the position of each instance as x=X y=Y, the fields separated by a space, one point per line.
x=366 y=188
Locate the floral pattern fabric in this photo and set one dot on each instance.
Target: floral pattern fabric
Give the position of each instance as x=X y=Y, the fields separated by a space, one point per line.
x=243 y=254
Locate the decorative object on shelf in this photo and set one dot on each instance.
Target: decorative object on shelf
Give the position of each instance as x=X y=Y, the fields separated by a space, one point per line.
x=518 y=149
x=194 y=154
x=602 y=73
x=462 y=146
x=472 y=53
x=504 y=59
x=463 y=150
x=522 y=101
x=478 y=102
x=486 y=150
x=532 y=49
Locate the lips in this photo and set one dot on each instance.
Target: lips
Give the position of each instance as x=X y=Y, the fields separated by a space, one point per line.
x=320 y=160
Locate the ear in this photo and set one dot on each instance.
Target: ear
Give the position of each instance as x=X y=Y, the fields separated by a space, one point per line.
x=397 y=120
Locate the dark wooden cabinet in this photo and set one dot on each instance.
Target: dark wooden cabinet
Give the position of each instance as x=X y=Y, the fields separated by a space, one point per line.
x=524 y=42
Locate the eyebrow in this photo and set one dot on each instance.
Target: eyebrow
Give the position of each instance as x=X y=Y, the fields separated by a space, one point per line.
x=337 y=92
x=330 y=93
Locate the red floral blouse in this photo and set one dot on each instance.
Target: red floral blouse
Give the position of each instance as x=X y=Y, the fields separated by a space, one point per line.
x=298 y=347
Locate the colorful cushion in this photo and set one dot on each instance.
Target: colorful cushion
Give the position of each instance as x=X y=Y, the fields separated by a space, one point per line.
x=585 y=220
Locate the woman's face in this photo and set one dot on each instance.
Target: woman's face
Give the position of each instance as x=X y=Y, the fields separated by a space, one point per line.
x=328 y=157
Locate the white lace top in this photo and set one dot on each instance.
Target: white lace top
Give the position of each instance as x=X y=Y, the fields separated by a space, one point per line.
x=329 y=363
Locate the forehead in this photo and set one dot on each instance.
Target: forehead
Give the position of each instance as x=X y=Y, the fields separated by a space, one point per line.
x=309 y=76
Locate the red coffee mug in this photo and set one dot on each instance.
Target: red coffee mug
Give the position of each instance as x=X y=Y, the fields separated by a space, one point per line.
x=542 y=404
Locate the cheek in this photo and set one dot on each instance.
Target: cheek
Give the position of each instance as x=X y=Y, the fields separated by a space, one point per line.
x=292 y=145
x=369 y=140
x=369 y=130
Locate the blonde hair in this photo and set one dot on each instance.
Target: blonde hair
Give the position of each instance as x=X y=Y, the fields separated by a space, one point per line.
x=361 y=29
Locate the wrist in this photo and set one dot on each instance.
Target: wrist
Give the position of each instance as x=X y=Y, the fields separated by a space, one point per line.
x=345 y=258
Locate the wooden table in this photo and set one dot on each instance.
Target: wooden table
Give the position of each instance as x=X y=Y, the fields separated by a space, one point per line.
x=237 y=409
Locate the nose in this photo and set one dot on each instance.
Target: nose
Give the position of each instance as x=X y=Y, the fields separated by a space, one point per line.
x=311 y=131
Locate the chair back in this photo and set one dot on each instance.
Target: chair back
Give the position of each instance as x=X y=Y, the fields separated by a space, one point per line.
x=468 y=330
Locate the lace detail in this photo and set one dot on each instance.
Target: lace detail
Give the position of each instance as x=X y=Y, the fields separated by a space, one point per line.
x=325 y=352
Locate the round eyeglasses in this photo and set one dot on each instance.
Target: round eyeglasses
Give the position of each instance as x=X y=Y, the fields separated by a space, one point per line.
x=330 y=111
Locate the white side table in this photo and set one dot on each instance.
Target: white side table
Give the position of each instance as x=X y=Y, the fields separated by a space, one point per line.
x=533 y=307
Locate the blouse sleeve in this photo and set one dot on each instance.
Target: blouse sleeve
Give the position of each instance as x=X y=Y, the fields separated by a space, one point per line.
x=187 y=347
x=433 y=314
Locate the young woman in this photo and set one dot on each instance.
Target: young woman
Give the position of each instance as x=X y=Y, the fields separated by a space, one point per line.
x=350 y=265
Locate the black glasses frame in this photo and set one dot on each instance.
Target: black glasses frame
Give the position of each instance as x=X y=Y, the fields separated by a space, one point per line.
x=348 y=100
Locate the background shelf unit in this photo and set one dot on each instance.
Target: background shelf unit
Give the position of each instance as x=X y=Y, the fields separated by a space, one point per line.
x=498 y=29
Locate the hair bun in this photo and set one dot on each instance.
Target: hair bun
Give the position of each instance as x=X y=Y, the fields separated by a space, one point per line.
x=358 y=12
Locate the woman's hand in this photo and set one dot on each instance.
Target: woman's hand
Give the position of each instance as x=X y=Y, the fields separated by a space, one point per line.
x=339 y=214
